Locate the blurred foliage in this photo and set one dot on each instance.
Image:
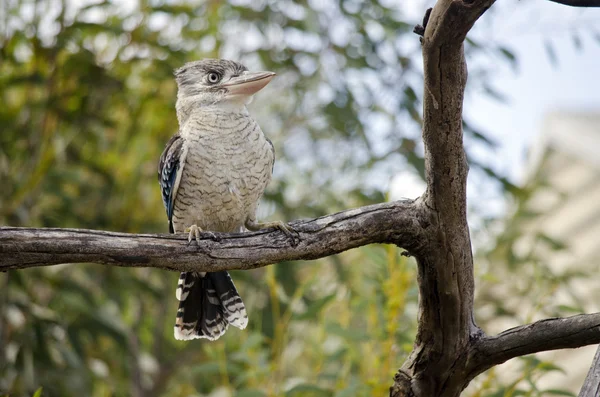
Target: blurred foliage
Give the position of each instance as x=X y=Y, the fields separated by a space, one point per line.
x=524 y=248
x=520 y=246
x=88 y=104
x=530 y=370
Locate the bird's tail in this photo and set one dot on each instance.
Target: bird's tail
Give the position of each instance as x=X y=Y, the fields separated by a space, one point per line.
x=208 y=303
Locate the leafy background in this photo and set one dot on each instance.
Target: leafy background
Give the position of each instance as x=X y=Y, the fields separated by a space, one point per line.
x=87 y=105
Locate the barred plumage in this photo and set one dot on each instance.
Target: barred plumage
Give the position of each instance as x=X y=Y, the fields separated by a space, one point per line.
x=208 y=305
x=212 y=174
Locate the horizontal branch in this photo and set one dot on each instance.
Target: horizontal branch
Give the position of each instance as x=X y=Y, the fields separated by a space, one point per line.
x=549 y=334
x=397 y=222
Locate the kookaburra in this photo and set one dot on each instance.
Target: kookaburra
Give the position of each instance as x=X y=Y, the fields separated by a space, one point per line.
x=212 y=175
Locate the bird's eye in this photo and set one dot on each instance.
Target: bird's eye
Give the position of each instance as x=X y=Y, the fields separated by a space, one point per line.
x=213 y=77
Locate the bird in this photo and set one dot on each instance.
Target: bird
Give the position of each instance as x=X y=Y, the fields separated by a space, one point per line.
x=212 y=174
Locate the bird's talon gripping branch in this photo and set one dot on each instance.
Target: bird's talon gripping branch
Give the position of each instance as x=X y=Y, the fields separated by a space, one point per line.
x=288 y=230
x=194 y=231
x=213 y=236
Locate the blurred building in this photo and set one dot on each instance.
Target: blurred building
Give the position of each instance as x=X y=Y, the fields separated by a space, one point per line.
x=566 y=157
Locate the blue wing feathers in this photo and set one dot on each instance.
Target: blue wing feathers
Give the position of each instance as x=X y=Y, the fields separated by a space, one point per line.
x=168 y=168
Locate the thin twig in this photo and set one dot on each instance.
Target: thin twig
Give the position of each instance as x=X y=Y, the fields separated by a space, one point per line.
x=578 y=3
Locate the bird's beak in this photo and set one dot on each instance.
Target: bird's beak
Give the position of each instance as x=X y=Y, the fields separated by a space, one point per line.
x=248 y=83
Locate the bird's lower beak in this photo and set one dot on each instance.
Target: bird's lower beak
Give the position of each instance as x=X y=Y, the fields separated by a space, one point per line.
x=248 y=83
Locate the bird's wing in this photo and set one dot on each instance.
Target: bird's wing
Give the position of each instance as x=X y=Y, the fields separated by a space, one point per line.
x=170 y=169
x=272 y=151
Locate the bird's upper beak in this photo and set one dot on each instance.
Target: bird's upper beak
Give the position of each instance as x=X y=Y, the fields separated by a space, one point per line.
x=248 y=83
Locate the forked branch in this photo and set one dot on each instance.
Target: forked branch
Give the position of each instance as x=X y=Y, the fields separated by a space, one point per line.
x=450 y=350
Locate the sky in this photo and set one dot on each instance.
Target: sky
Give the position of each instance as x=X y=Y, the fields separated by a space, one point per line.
x=536 y=87
x=539 y=86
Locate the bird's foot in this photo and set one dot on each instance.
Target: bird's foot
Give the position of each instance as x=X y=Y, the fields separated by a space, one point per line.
x=195 y=231
x=284 y=227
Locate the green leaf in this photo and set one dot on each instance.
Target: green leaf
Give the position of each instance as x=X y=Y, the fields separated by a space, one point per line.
x=250 y=393
x=307 y=390
x=520 y=392
x=38 y=393
x=206 y=369
x=577 y=43
x=551 y=53
x=354 y=389
x=214 y=368
x=353 y=334
x=489 y=141
x=494 y=93
x=556 y=392
x=315 y=307
x=472 y=42
x=253 y=341
x=549 y=367
x=506 y=184
x=569 y=309
x=554 y=244
x=509 y=55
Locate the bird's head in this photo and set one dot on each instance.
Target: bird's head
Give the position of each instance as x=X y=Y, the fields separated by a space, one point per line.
x=218 y=82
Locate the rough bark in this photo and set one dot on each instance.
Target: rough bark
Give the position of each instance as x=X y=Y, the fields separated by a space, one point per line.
x=399 y=223
x=483 y=352
x=591 y=385
x=446 y=267
x=543 y=335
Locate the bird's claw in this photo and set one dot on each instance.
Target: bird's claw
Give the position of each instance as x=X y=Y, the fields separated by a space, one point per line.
x=212 y=236
x=194 y=231
x=289 y=231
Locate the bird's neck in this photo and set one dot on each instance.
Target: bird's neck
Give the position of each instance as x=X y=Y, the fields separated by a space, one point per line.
x=186 y=107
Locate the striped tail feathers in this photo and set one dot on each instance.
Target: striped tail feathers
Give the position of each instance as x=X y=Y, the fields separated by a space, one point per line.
x=200 y=313
x=208 y=303
x=233 y=306
x=184 y=285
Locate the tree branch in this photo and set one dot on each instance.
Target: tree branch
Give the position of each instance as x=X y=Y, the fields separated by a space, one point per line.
x=591 y=385
x=578 y=3
x=448 y=343
x=549 y=334
x=445 y=270
x=399 y=223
